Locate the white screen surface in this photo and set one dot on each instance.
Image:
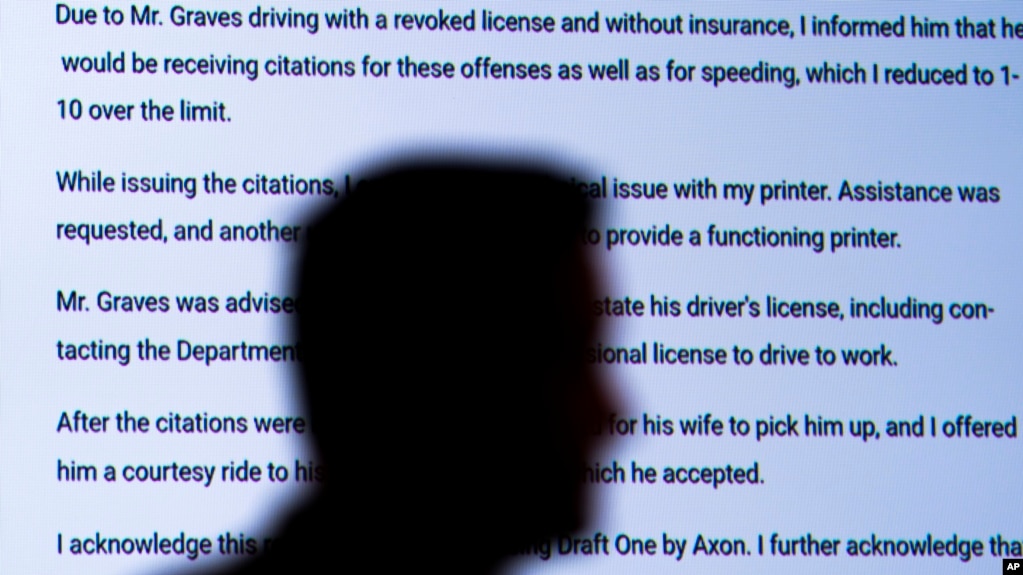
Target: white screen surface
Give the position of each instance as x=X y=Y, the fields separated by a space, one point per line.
x=59 y=114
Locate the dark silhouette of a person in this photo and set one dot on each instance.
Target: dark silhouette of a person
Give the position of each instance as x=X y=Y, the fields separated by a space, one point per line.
x=444 y=317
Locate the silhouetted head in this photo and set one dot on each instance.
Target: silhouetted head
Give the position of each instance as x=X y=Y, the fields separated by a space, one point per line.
x=444 y=319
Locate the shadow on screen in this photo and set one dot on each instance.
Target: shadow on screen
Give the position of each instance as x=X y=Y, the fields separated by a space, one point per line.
x=445 y=313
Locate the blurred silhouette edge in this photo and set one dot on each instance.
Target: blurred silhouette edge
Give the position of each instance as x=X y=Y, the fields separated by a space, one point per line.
x=444 y=317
